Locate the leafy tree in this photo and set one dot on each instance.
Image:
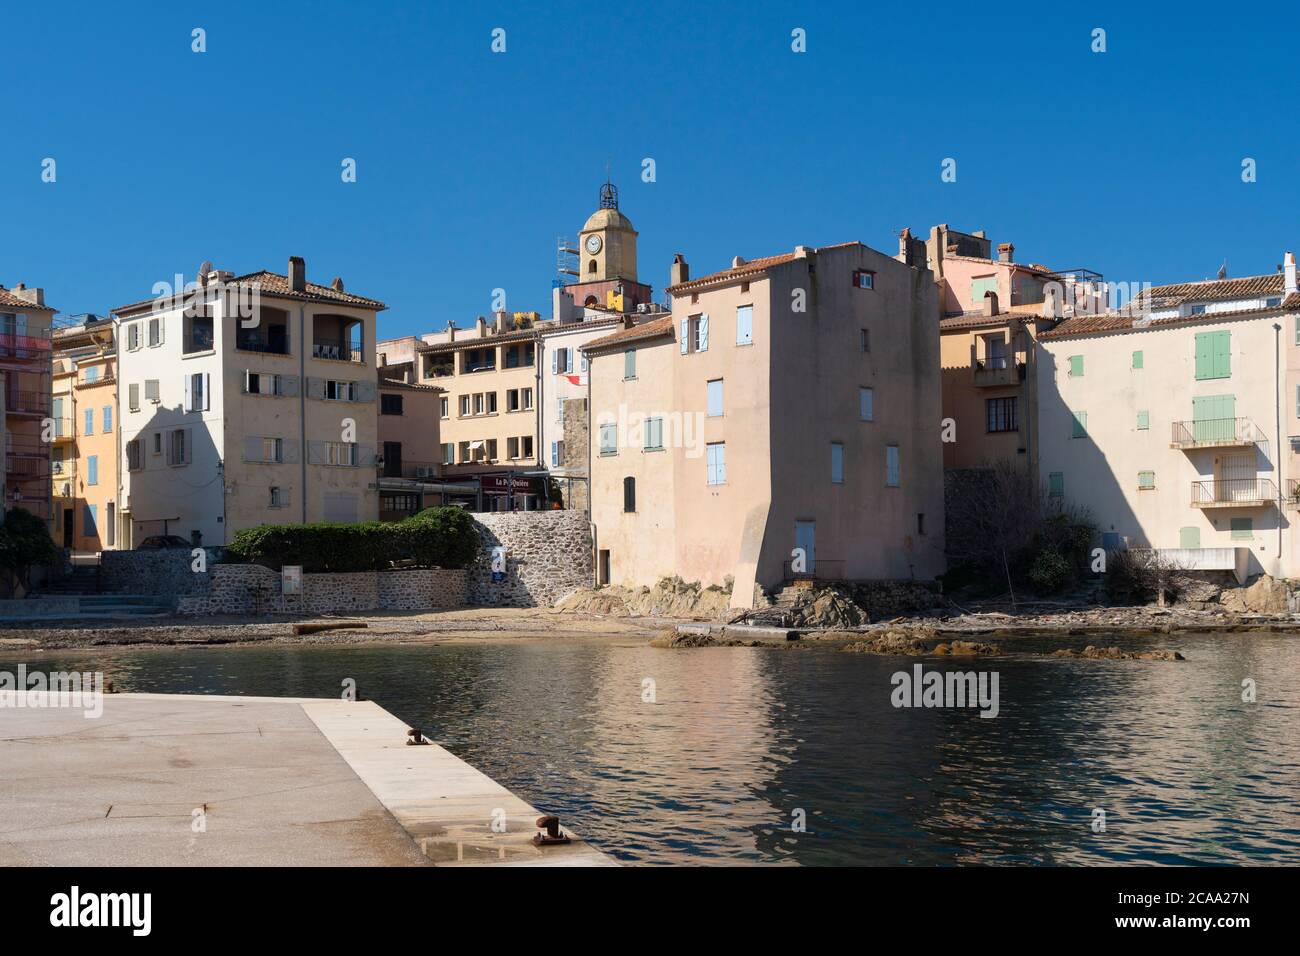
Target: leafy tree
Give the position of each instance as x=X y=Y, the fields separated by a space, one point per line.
x=25 y=543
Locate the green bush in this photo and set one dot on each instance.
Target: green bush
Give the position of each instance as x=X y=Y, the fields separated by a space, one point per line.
x=25 y=543
x=1049 y=572
x=436 y=537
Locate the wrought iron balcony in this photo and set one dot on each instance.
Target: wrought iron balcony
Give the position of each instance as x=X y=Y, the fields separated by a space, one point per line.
x=996 y=371
x=1215 y=433
x=1234 y=493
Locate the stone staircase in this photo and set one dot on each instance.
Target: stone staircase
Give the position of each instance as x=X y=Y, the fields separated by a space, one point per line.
x=82 y=579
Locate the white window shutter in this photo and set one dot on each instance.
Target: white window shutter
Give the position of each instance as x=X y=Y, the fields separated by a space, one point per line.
x=189 y=395
x=207 y=391
x=291 y=447
x=286 y=384
x=555 y=361
x=686 y=335
x=704 y=332
x=252 y=448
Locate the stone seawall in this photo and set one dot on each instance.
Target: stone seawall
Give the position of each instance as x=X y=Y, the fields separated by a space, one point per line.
x=165 y=571
x=253 y=589
x=548 y=555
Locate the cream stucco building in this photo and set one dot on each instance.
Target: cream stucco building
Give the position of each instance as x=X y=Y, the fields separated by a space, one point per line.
x=782 y=422
x=245 y=401
x=1166 y=421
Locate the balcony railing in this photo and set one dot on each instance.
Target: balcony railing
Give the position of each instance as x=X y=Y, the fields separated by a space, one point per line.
x=27 y=402
x=25 y=345
x=1234 y=493
x=336 y=351
x=66 y=468
x=996 y=370
x=821 y=569
x=409 y=469
x=1293 y=494
x=1215 y=433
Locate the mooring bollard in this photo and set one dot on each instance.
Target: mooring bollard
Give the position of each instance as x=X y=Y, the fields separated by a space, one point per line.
x=551 y=833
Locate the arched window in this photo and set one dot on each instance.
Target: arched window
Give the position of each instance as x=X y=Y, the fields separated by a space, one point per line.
x=591 y=266
x=591 y=300
x=629 y=494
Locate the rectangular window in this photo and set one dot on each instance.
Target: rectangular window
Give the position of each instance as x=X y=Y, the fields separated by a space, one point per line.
x=512 y=399
x=90 y=521
x=1079 y=426
x=1242 y=528
x=557 y=453
x=1137 y=359
x=134 y=457
x=155 y=332
x=609 y=439
x=492 y=403
x=133 y=336
x=512 y=448
x=444 y=407
x=866 y=404
x=837 y=463
x=151 y=391
x=92 y=470
x=340 y=453
x=527 y=395
x=157 y=443
x=1213 y=355
x=629 y=364
x=390 y=404
x=716 y=461
x=89 y=416
x=695 y=334
x=654 y=434
x=1001 y=414
x=528 y=446
x=1146 y=480
x=92 y=374
x=862 y=279
x=978 y=287
x=560 y=362
x=196 y=392
x=279 y=497
x=714 y=394
x=448 y=453
x=1076 y=366
x=629 y=494
x=108 y=420
x=559 y=409
x=478 y=404
x=864 y=340
x=891 y=466
x=178 y=447
x=464 y=405
x=133 y=398
x=337 y=391
x=744 y=325
x=1143 y=421
x=1056 y=484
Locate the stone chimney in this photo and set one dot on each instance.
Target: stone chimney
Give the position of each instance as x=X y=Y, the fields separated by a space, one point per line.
x=1288 y=269
x=1052 y=301
x=451 y=331
x=480 y=326
x=990 y=303
x=629 y=320
x=911 y=250
x=34 y=296
x=802 y=252
x=1006 y=252
x=680 y=271
x=737 y=262
x=297 y=274
x=337 y=284
x=499 y=323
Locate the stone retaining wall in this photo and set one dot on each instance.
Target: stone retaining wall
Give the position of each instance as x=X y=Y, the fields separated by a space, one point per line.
x=253 y=589
x=548 y=555
x=165 y=571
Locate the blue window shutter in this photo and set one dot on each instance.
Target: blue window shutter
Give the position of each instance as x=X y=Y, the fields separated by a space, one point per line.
x=686 y=335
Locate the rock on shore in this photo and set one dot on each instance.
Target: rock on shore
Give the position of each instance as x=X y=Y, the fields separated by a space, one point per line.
x=1094 y=653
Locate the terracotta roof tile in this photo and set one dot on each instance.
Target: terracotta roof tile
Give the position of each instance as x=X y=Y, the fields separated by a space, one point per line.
x=970 y=320
x=748 y=268
x=9 y=300
x=646 y=330
x=274 y=284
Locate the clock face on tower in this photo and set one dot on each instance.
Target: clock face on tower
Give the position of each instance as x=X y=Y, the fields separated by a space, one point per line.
x=593 y=244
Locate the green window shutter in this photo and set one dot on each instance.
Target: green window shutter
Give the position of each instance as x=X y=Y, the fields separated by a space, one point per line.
x=1222 y=354
x=1080 y=429
x=1056 y=483
x=1144 y=421
x=1076 y=366
x=1243 y=528
x=1189 y=537
x=1213 y=355
x=1203 y=361
x=1146 y=480
x=1137 y=359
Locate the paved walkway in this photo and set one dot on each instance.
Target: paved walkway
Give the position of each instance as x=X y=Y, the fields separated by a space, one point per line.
x=174 y=780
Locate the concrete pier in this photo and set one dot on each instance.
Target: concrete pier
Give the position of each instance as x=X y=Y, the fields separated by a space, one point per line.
x=179 y=780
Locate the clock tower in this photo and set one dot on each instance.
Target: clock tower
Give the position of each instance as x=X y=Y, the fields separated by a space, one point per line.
x=607 y=243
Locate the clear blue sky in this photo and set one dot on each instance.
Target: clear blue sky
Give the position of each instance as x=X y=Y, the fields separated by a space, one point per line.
x=471 y=163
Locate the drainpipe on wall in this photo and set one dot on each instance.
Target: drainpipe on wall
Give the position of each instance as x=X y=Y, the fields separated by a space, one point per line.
x=1277 y=422
x=302 y=404
x=595 y=545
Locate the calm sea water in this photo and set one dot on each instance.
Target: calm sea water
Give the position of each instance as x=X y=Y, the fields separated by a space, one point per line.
x=739 y=740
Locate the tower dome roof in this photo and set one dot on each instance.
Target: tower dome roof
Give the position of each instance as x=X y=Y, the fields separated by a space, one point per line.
x=608 y=219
